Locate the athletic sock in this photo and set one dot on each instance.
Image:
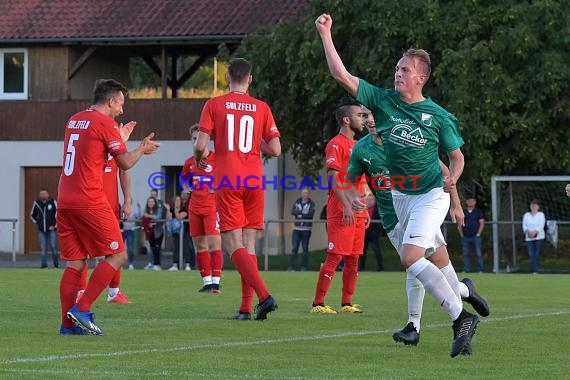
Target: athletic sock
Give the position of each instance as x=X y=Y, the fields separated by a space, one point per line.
x=452 y=280
x=207 y=280
x=116 y=281
x=69 y=285
x=326 y=275
x=436 y=284
x=100 y=279
x=349 y=278
x=113 y=292
x=416 y=292
x=84 y=275
x=247 y=290
x=217 y=260
x=204 y=263
x=249 y=273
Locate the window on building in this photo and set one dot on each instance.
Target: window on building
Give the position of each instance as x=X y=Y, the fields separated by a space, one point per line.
x=13 y=73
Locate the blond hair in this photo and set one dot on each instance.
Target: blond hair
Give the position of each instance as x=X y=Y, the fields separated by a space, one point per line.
x=422 y=56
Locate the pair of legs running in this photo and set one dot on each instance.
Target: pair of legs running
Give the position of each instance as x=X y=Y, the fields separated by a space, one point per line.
x=464 y=290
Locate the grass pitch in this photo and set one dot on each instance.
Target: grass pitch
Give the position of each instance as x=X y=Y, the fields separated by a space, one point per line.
x=172 y=331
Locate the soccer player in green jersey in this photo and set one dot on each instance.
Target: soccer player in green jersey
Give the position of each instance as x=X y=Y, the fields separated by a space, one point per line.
x=369 y=159
x=412 y=128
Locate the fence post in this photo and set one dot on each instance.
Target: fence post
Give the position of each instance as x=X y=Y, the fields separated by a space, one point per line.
x=14 y=241
x=181 y=246
x=266 y=247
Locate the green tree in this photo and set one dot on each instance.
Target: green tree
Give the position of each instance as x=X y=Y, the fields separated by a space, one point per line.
x=500 y=67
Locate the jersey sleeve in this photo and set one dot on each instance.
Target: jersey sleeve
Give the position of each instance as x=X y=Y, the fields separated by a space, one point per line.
x=333 y=154
x=369 y=95
x=450 y=135
x=207 y=118
x=355 y=167
x=186 y=170
x=113 y=140
x=270 y=131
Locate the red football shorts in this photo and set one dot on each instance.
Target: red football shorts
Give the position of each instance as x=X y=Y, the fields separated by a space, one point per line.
x=85 y=233
x=240 y=208
x=345 y=240
x=203 y=221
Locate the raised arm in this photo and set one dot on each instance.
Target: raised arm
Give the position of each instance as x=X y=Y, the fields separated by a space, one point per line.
x=336 y=67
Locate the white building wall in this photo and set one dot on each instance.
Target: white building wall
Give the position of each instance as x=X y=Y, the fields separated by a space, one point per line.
x=16 y=155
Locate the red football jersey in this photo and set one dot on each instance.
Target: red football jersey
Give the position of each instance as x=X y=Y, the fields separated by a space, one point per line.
x=337 y=155
x=201 y=181
x=237 y=122
x=89 y=137
x=111 y=184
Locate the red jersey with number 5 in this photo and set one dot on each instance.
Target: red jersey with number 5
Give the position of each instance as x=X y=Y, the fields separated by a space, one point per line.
x=89 y=137
x=237 y=123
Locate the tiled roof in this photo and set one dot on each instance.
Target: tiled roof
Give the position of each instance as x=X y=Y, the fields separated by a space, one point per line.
x=76 y=20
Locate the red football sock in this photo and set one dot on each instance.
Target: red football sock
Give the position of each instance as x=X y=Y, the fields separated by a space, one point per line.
x=217 y=260
x=204 y=263
x=246 y=290
x=326 y=275
x=249 y=273
x=84 y=275
x=116 y=281
x=69 y=285
x=349 y=278
x=100 y=279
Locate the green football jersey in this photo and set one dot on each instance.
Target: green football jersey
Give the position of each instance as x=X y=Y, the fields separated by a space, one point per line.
x=368 y=158
x=412 y=134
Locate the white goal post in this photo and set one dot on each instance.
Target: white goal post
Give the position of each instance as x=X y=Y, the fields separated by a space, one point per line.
x=512 y=219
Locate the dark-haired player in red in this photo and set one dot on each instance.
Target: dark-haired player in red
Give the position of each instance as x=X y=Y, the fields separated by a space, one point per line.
x=203 y=218
x=87 y=225
x=345 y=228
x=242 y=127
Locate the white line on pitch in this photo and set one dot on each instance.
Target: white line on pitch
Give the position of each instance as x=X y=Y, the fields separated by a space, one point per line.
x=52 y=358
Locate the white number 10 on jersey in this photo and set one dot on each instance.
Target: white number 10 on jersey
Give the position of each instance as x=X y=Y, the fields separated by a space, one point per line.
x=245 y=137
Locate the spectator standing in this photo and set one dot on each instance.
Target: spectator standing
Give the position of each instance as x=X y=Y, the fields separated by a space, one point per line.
x=155 y=215
x=303 y=209
x=533 y=227
x=372 y=236
x=176 y=214
x=471 y=234
x=44 y=212
x=128 y=230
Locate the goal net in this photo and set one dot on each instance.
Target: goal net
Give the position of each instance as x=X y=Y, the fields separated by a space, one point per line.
x=511 y=197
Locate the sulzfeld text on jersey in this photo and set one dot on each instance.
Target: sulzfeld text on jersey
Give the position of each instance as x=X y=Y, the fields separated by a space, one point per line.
x=241 y=106
x=78 y=124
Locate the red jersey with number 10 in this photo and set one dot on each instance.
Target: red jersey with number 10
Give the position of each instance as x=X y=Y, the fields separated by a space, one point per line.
x=89 y=137
x=237 y=123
